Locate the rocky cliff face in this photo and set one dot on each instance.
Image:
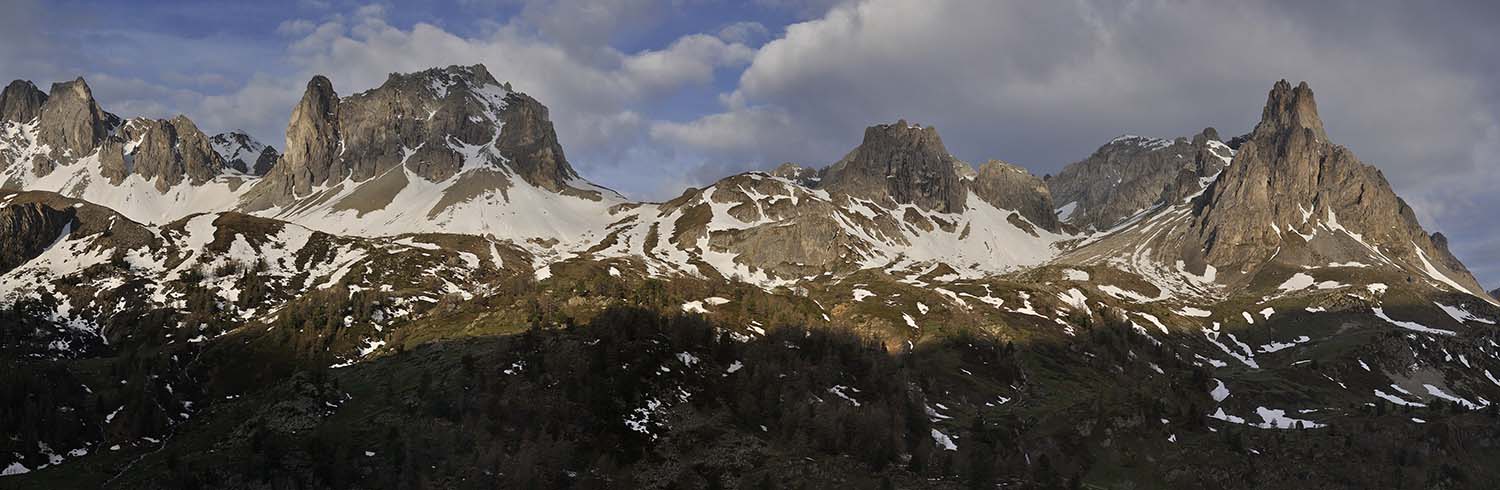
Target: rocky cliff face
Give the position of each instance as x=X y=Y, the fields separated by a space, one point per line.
x=1132 y=173
x=432 y=123
x=531 y=145
x=21 y=102
x=1007 y=186
x=244 y=153
x=1289 y=185
x=72 y=124
x=312 y=144
x=26 y=230
x=165 y=152
x=904 y=163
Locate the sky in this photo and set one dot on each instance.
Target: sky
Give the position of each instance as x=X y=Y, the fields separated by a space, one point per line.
x=652 y=96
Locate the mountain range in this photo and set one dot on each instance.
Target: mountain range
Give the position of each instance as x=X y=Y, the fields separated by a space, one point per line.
x=422 y=278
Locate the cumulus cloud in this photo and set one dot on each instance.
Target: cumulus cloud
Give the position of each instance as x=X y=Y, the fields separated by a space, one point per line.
x=749 y=33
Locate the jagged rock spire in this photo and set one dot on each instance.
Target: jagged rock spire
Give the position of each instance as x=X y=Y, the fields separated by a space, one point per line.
x=312 y=137
x=906 y=163
x=1290 y=109
x=166 y=151
x=21 y=102
x=1292 y=196
x=72 y=123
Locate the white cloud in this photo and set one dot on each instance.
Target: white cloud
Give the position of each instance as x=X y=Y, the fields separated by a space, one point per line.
x=748 y=33
x=296 y=27
x=690 y=59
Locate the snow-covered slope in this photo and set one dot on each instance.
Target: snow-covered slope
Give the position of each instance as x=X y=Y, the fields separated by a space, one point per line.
x=244 y=153
x=133 y=195
x=447 y=150
x=773 y=231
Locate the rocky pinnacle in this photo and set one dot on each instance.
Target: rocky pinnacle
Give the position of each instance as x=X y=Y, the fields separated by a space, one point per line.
x=72 y=123
x=21 y=102
x=902 y=162
x=1288 y=182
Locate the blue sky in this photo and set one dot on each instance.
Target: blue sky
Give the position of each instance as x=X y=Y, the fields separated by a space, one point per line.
x=650 y=96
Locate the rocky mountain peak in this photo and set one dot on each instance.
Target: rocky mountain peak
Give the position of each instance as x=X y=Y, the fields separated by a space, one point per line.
x=1007 y=186
x=1293 y=196
x=1289 y=109
x=72 y=123
x=312 y=137
x=1131 y=173
x=21 y=102
x=904 y=162
x=436 y=123
x=441 y=82
x=164 y=151
x=244 y=153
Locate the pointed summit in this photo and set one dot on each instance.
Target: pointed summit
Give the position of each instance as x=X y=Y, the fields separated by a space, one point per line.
x=244 y=153
x=904 y=162
x=21 y=102
x=1289 y=109
x=1292 y=196
x=72 y=123
x=312 y=136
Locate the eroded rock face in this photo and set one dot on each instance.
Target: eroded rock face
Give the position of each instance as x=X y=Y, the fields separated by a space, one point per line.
x=26 y=230
x=1288 y=178
x=1007 y=186
x=21 y=102
x=1132 y=173
x=902 y=162
x=1289 y=110
x=167 y=152
x=72 y=123
x=530 y=143
x=73 y=147
x=431 y=122
x=312 y=137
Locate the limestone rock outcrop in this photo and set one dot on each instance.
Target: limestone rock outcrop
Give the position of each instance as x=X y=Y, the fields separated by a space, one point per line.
x=1007 y=186
x=72 y=123
x=1132 y=173
x=1288 y=182
x=432 y=123
x=905 y=163
x=21 y=102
